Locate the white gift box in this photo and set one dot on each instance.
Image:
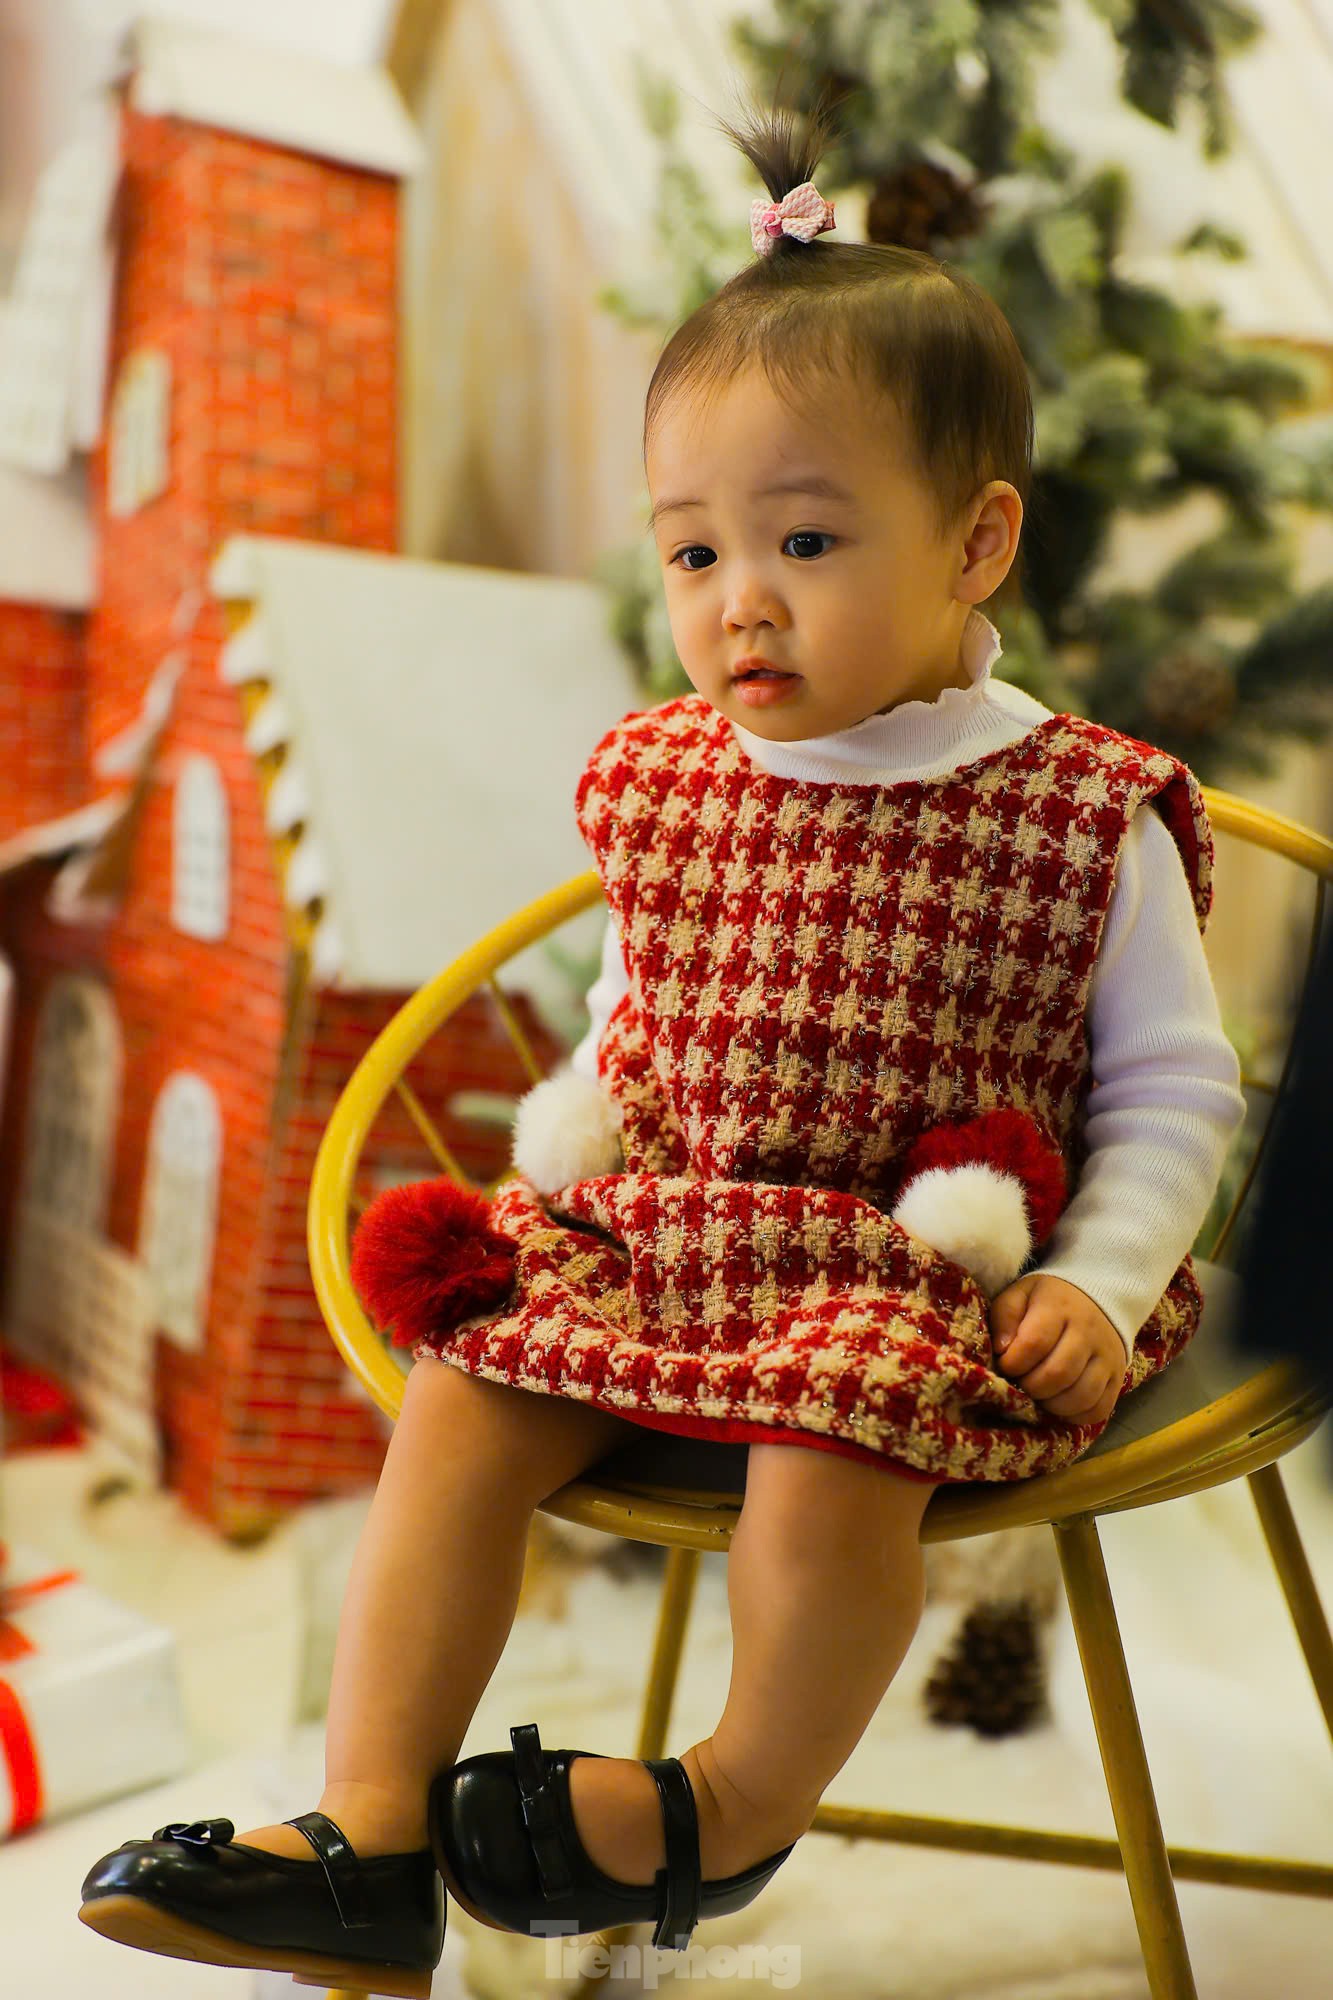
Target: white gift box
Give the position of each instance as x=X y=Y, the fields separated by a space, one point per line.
x=90 y=1702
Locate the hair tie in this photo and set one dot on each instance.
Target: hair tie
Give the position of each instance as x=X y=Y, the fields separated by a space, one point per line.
x=803 y=213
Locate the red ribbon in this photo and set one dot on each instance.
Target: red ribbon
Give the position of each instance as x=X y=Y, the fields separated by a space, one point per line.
x=20 y=1755
x=17 y=1746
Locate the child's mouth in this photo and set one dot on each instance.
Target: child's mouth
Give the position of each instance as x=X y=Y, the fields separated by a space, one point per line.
x=761 y=685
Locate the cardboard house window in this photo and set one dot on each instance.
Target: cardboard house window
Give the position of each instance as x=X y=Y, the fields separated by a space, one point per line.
x=55 y=328
x=201 y=851
x=137 y=465
x=179 y=1220
x=75 y=1098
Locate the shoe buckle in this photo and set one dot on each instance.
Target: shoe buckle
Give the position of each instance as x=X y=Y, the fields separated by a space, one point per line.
x=543 y=1825
x=197 y=1832
x=540 y=1816
x=679 y=1884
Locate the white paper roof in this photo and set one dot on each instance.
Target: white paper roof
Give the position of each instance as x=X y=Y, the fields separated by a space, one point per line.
x=71 y=832
x=48 y=550
x=341 y=111
x=436 y=719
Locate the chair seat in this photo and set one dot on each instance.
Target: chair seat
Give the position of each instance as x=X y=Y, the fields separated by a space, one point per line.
x=1210 y=1367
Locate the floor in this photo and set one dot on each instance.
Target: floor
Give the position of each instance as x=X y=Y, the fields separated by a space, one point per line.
x=1238 y=1747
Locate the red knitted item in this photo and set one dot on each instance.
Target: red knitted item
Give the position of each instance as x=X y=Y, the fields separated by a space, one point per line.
x=1010 y=1141
x=425 y=1256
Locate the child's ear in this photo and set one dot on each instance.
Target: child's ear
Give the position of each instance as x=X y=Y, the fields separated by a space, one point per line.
x=992 y=525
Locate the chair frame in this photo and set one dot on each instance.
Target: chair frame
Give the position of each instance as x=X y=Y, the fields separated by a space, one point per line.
x=1242 y=1434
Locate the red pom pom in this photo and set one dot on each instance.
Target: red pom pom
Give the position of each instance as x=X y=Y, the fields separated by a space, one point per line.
x=425 y=1256
x=1011 y=1141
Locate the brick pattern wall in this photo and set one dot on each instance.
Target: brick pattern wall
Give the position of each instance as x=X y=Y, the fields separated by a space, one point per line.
x=269 y=281
x=43 y=724
x=216 y=1007
x=301 y=1426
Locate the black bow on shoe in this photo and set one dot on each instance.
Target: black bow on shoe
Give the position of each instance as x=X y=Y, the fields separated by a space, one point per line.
x=197 y=1832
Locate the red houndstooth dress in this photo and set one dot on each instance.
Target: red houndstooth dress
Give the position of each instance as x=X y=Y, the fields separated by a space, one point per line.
x=817 y=973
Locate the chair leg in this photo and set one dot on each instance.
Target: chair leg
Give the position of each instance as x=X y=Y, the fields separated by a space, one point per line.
x=1139 y=1830
x=682 y=1573
x=1297 y=1580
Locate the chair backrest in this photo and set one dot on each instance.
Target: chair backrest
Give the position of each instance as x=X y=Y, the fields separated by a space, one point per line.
x=1312 y=853
x=383 y=1073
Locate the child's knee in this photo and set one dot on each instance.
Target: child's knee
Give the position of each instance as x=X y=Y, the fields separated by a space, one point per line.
x=531 y=1441
x=821 y=1501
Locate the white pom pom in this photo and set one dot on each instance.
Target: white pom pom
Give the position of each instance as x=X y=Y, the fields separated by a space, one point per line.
x=567 y=1128
x=974 y=1215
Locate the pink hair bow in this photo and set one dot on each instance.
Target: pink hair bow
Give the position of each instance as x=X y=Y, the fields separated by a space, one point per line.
x=803 y=212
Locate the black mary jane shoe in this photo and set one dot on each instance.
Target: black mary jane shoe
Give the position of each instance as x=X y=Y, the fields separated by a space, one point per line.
x=505 y=1841
x=374 y=1925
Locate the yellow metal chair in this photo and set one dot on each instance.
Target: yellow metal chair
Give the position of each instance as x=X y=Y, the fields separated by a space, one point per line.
x=1210 y=1417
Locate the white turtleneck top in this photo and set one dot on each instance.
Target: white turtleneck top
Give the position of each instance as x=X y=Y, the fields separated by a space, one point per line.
x=1166 y=1099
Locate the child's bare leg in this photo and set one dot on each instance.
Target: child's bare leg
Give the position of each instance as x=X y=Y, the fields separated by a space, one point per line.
x=433 y=1590
x=826 y=1584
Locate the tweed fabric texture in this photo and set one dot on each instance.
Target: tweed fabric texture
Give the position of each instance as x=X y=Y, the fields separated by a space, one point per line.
x=818 y=972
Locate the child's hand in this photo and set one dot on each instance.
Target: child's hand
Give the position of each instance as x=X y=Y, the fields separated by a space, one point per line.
x=1058 y=1345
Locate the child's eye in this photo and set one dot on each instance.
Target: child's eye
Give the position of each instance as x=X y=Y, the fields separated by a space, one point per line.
x=799 y=535
x=810 y=535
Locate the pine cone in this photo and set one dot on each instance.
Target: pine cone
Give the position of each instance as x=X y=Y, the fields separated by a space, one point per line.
x=920 y=205
x=993 y=1678
x=1191 y=691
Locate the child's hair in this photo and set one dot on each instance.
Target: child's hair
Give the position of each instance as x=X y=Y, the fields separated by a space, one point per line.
x=897 y=320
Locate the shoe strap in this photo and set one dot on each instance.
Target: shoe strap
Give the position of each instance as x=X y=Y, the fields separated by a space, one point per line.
x=680 y=1883
x=341 y=1867
x=540 y=1815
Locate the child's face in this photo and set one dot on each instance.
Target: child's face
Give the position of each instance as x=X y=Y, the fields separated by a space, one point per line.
x=862 y=598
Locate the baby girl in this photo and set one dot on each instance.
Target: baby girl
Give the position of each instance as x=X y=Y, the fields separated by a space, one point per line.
x=903 y=990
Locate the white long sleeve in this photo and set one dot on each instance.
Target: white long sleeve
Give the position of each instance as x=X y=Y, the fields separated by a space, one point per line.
x=1166 y=1099
x=611 y=982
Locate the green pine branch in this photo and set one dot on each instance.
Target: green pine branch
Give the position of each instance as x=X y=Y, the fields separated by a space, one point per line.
x=1141 y=400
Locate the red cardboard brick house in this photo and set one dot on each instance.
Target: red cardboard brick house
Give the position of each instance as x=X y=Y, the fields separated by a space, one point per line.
x=237 y=787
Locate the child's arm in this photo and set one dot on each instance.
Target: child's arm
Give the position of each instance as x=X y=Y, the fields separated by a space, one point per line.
x=1166 y=1101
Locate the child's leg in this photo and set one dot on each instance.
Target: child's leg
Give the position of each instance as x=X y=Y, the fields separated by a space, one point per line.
x=433 y=1590
x=826 y=1584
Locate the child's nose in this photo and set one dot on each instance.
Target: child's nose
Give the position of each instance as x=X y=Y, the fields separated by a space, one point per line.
x=751 y=598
